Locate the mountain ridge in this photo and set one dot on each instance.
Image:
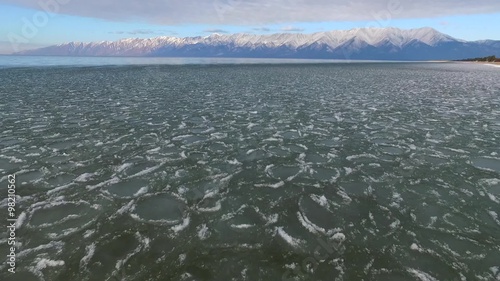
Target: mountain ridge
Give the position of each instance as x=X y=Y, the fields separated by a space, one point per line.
x=360 y=43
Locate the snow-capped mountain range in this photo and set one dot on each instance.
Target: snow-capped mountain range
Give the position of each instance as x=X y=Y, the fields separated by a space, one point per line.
x=361 y=43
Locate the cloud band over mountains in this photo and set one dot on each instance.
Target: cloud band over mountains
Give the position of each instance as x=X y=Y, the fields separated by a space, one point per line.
x=241 y=12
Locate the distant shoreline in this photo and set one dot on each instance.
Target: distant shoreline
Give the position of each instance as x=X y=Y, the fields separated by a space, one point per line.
x=495 y=63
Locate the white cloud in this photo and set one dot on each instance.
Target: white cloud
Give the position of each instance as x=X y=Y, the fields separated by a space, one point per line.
x=136 y=32
x=261 y=29
x=246 y=12
x=291 y=29
x=214 y=30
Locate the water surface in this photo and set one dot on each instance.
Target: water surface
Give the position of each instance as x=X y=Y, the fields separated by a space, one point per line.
x=365 y=171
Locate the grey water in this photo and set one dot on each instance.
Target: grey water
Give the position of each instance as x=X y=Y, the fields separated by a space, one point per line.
x=11 y=61
x=252 y=171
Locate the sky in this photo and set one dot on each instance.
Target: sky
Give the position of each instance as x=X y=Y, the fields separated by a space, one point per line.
x=28 y=24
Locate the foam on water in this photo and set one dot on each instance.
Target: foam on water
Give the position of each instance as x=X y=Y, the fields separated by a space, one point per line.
x=292 y=241
x=422 y=276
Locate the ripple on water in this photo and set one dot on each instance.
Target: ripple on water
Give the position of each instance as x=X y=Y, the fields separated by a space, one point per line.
x=336 y=142
x=314 y=217
x=111 y=254
x=325 y=174
x=355 y=188
x=391 y=150
x=53 y=213
x=61 y=179
x=491 y=185
x=253 y=155
x=64 y=144
x=6 y=164
x=193 y=140
x=160 y=208
x=434 y=159
x=315 y=158
x=487 y=163
x=381 y=141
x=290 y=135
x=57 y=159
x=297 y=148
x=218 y=147
x=279 y=152
x=30 y=176
x=59 y=219
x=284 y=172
x=128 y=188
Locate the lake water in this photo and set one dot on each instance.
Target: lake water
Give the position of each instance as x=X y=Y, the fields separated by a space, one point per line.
x=252 y=171
x=44 y=61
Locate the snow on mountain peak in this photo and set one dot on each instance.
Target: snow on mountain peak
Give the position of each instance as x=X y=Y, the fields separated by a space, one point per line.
x=389 y=39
